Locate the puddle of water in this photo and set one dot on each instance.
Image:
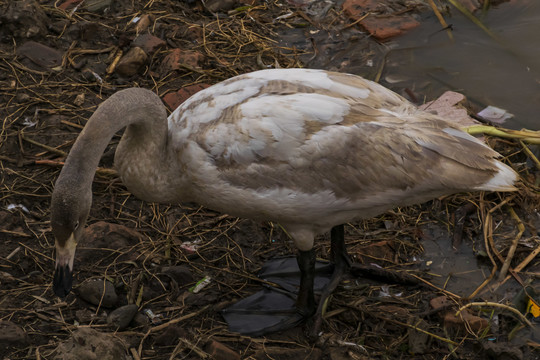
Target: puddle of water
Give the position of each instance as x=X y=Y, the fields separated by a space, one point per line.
x=503 y=73
x=506 y=74
x=459 y=270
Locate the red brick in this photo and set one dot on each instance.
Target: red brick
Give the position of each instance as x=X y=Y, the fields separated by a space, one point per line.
x=69 y=3
x=464 y=321
x=381 y=27
x=179 y=57
x=219 y=351
x=440 y=302
x=174 y=99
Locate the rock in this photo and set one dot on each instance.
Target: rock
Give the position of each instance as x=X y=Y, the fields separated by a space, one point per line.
x=174 y=99
x=41 y=56
x=219 y=351
x=102 y=238
x=502 y=351
x=181 y=274
x=419 y=341
x=89 y=344
x=170 y=335
x=141 y=320
x=121 y=317
x=149 y=43
x=97 y=6
x=79 y=99
x=178 y=58
x=144 y=23
x=24 y=18
x=220 y=5
x=85 y=316
x=12 y=334
x=131 y=62
x=98 y=291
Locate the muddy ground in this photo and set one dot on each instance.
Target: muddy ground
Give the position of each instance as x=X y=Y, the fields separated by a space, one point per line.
x=59 y=60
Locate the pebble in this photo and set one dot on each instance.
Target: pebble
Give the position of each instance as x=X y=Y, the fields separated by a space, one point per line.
x=25 y=19
x=122 y=316
x=92 y=291
x=149 y=43
x=89 y=344
x=12 y=334
x=131 y=62
x=97 y=6
x=181 y=274
x=43 y=57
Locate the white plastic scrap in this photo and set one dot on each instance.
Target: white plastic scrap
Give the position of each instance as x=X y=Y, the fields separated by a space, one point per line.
x=201 y=284
x=28 y=122
x=18 y=206
x=495 y=114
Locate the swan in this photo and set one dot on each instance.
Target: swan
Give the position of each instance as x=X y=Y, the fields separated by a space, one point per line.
x=308 y=149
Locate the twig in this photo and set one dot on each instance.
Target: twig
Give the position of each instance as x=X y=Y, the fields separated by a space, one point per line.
x=46 y=147
x=530 y=154
x=441 y=20
x=174 y=321
x=502 y=306
x=512 y=250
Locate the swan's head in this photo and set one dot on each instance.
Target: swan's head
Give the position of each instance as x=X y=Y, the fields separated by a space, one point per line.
x=69 y=212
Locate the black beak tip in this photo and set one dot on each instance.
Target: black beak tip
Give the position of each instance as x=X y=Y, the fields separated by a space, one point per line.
x=62 y=281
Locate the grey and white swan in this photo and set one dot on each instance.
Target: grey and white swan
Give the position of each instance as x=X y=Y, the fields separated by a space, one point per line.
x=308 y=149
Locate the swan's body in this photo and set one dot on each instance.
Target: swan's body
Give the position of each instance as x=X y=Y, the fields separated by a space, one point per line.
x=309 y=149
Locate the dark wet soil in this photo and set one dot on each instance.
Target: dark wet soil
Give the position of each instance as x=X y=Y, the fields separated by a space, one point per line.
x=59 y=60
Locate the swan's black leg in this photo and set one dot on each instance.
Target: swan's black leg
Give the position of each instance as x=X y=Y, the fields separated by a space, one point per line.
x=305 y=303
x=342 y=263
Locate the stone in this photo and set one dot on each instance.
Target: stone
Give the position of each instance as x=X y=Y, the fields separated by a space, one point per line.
x=149 y=43
x=502 y=351
x=180 y=274
x=24 y=19
x=144 y=23
x=98 y=292
x=122 y=316
x=41 y=56
x=219 y=351
x=102 y=238
x=170 y=335
x=89 y=344
x=174 y=99
x=97 y=6
x=131 y=62
x=12 y=334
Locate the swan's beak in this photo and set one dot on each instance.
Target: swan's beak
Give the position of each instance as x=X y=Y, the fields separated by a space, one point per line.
x=63 y=279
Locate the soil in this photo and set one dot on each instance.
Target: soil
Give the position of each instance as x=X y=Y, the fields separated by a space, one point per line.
x=59 y=60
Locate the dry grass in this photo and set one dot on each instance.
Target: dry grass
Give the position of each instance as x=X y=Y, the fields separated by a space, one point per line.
x=229 y=250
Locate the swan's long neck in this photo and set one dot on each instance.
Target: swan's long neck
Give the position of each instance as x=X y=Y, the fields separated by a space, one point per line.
x=132 y=108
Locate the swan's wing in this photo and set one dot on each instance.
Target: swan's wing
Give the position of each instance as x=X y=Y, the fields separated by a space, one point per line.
x=303 y=136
